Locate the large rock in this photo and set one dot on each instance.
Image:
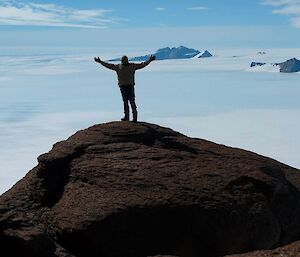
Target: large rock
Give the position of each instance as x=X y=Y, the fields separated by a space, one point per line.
x=291 y=250
x=133 y=190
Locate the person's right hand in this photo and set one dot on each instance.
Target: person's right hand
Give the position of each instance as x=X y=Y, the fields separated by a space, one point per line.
x=97 y=59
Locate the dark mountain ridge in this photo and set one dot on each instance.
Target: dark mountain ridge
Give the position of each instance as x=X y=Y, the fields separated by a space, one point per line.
x=168 y=53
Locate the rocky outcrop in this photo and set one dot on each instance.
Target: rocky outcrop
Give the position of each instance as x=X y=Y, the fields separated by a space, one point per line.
x=292 y=65
x=291 y=250
x=289 y=66
x=204 y=54
x=124 y=189
x=261 y=53
x=254 y=64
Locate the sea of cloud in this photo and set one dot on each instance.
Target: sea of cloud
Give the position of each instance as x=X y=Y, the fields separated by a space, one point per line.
x=46 y=95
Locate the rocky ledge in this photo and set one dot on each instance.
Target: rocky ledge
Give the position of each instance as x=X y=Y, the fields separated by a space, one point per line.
x=135 y=190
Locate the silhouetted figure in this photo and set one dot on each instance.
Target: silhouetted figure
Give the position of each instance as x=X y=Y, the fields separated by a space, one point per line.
x=125 y=72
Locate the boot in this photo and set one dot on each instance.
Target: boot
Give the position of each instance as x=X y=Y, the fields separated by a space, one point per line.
x=126 y=112
x=134 y=110
x=134 y=114
x=125 y=118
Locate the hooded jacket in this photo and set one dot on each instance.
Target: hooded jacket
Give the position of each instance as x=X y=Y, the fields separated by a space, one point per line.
x=125 y=72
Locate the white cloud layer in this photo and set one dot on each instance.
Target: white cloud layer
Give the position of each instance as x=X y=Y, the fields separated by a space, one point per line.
x=290 y=8
x=160 y=9
x=197 y=8
x=280 y=2
x=34 y=14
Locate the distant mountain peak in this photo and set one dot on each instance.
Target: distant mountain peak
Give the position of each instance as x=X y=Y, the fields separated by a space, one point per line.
x=167 y=53
x=180 y=52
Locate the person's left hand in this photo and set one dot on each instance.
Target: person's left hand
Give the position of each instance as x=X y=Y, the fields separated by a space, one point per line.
x=152 y=58
x=97 y=59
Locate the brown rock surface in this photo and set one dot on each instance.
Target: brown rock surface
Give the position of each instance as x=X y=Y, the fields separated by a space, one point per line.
x=135 y=190
x=291 y=250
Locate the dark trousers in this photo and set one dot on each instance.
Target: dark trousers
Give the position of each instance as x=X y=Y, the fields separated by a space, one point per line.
x=128 y=95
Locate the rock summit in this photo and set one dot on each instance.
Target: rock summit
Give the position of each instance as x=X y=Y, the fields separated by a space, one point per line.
x=126 y=189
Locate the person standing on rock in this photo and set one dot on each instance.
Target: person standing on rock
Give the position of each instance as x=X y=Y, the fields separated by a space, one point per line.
x=125 y=72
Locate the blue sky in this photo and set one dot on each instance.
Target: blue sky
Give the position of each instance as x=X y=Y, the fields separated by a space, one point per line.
x=241 y=20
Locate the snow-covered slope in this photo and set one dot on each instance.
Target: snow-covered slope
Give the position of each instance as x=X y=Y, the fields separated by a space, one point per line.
x=249 y=60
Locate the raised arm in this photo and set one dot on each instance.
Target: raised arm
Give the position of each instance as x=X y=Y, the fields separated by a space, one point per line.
x=144 y=64
x=105 y=64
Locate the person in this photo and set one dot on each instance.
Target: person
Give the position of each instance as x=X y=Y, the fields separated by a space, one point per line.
x=125 y=72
